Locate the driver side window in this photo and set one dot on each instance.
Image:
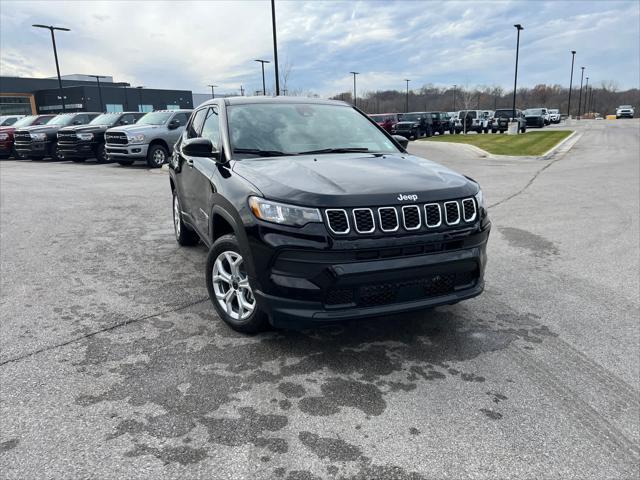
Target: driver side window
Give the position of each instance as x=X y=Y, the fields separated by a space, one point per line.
x=211 y=127
x=195 y=126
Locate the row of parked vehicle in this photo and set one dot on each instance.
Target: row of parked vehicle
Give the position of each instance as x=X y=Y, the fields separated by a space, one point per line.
x=415 y=125
x=123 y=137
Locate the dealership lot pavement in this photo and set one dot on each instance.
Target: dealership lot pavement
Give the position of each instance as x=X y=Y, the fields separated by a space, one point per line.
x=113 y=364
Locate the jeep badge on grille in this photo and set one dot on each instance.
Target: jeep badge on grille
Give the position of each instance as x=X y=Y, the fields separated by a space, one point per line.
x=412 y=197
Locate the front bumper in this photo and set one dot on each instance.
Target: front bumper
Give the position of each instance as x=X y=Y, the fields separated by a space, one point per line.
x=76 y=150
x=300 y=287
x=127 y=152
x=34 y=148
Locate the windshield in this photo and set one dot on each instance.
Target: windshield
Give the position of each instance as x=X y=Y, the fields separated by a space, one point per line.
x=503 y=113
x=292 y=128
x=155 y=118
x=411 y=117
x=533 y=111
x=62 y=120
x=554 y=110
x=105 y=119
x=24 y=122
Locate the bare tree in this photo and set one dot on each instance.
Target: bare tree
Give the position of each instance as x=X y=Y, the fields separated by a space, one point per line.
x=285 y=74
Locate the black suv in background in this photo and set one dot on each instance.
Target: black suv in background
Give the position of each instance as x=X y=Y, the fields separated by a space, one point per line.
x=314 y=214
x=41 y=141
x=413 y=125
x=502 y=117
x=440 y=122
x=80 y=142
x=535 y=117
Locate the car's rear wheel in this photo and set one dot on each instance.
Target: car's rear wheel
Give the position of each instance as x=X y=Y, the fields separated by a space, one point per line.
x=157 y=156
x=101 y=154
x=185 y=236
x=229 y=288
x=523 y=129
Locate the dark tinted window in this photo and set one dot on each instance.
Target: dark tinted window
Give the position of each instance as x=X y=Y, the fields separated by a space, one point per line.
x=181 y=119
x=195 y=127
x=128 y=119
x=211 y=127
x=81 y=119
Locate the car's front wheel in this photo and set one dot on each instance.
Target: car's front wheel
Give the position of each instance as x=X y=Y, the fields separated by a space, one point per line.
x=185 y=236
x=229 y=288
x=101 y=154
x=53 y=151
x=157 y=156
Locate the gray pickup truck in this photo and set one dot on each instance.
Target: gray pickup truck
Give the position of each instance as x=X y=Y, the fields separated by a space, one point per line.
x=150 y=139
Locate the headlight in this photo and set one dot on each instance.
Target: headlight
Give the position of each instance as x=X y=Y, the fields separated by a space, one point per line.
x=4 y=136
x=480 y=199
x=282 y=213
x=39 y=136
x=135 y=138
x=85 y=136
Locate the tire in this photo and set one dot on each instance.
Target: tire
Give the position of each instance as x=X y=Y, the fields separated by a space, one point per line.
x=53 y=152
x=523 y=129
x=231 y=287
x=78 y=160
x=125 y=163
x=185 y=236
x=157 y=156
x=451 y=132
x=101 y=154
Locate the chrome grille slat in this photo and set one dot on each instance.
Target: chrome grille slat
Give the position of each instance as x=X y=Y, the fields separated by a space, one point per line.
x=363 y=217
x=406 y=213
x=430 y=210
x=469 y=205
x=451 y=217
x=338 y=221
x=383 y=217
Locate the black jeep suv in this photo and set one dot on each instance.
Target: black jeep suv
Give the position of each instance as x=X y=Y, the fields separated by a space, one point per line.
x=439 y=122
x=80 y=142
x=314 y=214
x=41 y=141
x=413 y=125
x=501 y=118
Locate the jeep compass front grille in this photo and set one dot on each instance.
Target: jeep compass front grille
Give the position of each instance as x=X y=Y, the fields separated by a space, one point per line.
x=402 y=219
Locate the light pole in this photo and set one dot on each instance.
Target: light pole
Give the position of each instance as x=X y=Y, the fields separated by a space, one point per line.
x=515 y=81
x=139 y=88
x=454 y=97
x=275 y=45
x=51 y=28
x=573 y=57
x=264 y=88
x=98 y=77
x=406 y=108
x=580 y=97
x=213 y=95
x=355 y=102
x=586 y=92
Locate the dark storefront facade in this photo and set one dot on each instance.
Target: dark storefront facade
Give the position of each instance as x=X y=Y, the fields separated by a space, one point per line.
x=34 y=95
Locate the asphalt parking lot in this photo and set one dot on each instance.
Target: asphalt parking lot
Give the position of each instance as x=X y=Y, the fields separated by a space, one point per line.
x=114 y=365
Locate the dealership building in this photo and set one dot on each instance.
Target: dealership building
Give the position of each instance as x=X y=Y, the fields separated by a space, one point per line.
x=82 y=93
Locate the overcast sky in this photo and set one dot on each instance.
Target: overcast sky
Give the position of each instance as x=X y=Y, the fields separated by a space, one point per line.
x=189 y=45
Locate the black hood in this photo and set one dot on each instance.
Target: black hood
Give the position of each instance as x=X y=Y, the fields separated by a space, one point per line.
x=85 y=128
x=333 y=180
x=42 y=128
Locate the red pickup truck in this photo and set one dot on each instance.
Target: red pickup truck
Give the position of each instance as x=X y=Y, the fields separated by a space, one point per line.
x=6 y=133
x=386 y=120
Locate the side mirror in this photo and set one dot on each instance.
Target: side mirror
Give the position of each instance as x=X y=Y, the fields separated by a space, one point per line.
x=403 y=141
x=77 y=122
x=173 y=124
x=200 y=147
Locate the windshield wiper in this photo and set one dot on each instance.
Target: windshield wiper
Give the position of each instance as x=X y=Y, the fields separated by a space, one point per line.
x=336 y=150
x=262 y=153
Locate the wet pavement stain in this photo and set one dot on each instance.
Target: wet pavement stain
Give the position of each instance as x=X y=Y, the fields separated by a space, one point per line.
x=536 y=244
x=334 y=449
x=9 y=445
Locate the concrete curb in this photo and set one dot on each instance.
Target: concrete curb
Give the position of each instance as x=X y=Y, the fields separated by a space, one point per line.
x=574 y=137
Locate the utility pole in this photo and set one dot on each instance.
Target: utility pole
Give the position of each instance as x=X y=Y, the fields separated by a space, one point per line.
x=406 y=108
x=51 y=28
x=139 y=88
x=573 y=57
x=241 y=91
x=515 y=81
x=580 y=97
x=355 y=101
x=275 y=45
x=454 y=97
x=212 y=92
x=98 y=77
x=586 y=92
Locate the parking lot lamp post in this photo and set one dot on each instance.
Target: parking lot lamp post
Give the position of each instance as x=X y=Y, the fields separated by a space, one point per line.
x=454 y=97
x=213 y=95
x=275 y=45
x=580 y=96
x=98 y=77
x=515 y=81
x=139 y=88
x=264 y=88
x=51 y=28
x=586 y=92
x=406 y=107
x=355 y=102
x=573 y=57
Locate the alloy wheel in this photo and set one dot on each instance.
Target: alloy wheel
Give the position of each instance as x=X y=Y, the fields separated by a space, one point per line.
x=158 y=156
x=231 y=286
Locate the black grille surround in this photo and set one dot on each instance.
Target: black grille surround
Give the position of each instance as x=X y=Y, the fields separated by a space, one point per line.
x=402 y=219
x=67 y=137
x=116 y=138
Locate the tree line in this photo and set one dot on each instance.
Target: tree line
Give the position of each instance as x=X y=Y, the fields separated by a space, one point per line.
x=602 y=98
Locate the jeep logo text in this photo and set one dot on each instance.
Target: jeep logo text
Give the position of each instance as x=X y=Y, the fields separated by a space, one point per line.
x=407 y=197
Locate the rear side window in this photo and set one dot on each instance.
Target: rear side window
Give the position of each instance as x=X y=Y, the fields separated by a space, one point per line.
x=128 y=119
x=181 y=119
x=195 y=126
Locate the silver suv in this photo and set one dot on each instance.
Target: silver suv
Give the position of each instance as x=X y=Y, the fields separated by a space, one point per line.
x=150 y=139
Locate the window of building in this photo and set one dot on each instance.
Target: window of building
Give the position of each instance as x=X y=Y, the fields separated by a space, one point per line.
x=173 y=107
x=145 y=108
x=114 y=107
x=15 y=105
